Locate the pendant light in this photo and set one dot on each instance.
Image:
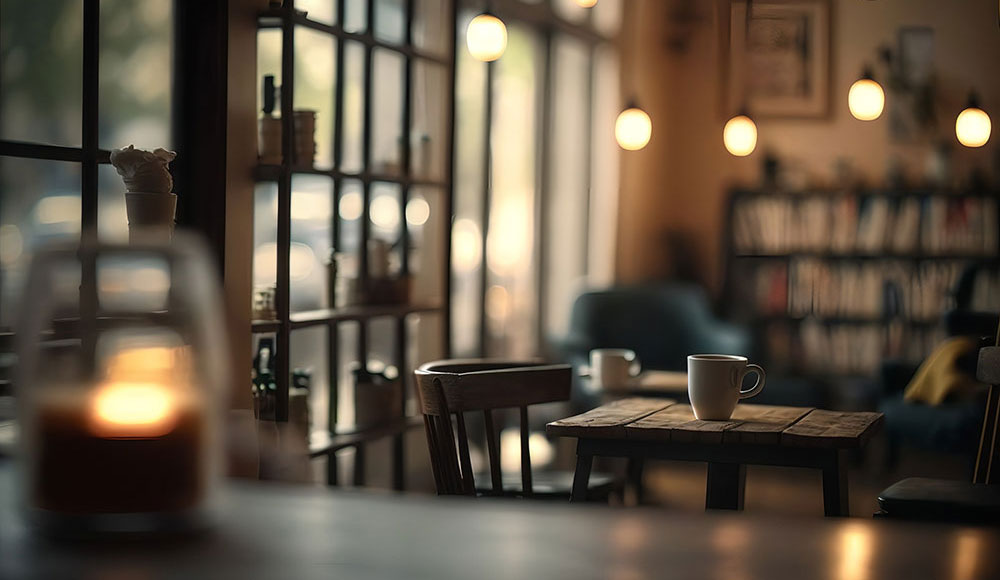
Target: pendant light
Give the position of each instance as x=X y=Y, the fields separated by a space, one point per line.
x=633 y=128
x=972 y=127
x=586 y=3
x=866 y=99
x=740 y=135
x=486 y=37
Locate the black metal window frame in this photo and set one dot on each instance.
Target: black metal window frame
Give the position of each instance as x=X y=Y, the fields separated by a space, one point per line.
x=287 y=19
x=88 y=155
x=197 y=123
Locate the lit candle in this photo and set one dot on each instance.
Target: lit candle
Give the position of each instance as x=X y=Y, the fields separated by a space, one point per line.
x=133 y=443
x=120 y=410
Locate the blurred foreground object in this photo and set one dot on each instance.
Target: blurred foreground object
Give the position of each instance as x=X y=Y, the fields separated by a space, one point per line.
x=121 y=369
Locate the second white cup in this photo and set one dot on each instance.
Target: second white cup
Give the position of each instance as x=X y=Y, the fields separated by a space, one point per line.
x=612 y=368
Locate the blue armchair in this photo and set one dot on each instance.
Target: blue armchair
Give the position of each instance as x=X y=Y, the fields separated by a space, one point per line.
x=662 y=323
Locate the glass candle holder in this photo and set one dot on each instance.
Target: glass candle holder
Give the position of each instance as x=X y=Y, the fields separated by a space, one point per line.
x=120 y=380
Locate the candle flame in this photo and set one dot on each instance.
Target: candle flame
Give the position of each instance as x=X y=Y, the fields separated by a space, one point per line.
x=133 y=410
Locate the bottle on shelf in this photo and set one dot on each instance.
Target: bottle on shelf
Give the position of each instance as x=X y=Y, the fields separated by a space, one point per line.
x=298 y=399
x=265 y=388
x=268 y=126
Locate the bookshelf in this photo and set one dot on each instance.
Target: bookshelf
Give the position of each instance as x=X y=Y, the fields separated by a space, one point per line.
x=380 y=78
x=834 y=281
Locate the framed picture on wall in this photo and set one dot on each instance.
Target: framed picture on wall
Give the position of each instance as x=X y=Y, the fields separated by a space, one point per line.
x=778 y=58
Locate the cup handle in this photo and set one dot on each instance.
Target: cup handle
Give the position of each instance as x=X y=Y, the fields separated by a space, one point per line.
x=757 y=388
x=635 y=368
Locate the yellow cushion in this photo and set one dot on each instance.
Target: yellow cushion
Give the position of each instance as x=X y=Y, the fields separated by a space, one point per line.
x=939 y=375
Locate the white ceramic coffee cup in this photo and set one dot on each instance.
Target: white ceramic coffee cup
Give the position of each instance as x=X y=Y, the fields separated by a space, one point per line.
x=714 y=382
x=611 y=368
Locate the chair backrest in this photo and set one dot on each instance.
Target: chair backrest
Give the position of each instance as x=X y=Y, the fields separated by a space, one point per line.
x=988 y=459
x=453 y=387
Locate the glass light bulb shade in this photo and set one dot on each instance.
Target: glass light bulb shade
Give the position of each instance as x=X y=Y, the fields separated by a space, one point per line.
x=633 y=129
x=972 y=127
x=866 y=100
x=586 y=3
x=486 y=37
x=740 y=136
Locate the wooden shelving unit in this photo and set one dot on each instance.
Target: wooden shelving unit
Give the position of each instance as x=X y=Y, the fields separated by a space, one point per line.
x=866 y=272
x=288 y=20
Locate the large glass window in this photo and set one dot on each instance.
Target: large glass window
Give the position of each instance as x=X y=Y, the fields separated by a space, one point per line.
x=54 y=179
x=535 y=175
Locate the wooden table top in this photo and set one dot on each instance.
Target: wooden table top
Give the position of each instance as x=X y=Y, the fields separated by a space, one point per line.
x=278 y=531
x=667 y=420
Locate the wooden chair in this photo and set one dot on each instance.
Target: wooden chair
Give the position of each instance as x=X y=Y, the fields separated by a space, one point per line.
x=454 y=387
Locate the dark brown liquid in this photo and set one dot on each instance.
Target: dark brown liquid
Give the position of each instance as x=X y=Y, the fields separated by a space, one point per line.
x=80 y=473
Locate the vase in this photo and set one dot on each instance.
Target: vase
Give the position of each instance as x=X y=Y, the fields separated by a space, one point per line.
x=150 y=215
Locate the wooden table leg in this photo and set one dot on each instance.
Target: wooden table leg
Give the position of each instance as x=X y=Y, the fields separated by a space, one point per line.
x=633 y=477
x=581 y=479
x=725 y=486
x=835 y=502
x=331 y=468
x=359 y=465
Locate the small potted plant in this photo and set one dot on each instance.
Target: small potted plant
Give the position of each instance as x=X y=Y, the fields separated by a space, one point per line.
x=149 y=203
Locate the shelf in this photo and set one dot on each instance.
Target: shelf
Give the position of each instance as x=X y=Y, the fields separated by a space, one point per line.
x=266 y=173
x=323 y=442
x=327 y=315
x=912 y=192
x=847 y=320
x=912 y=257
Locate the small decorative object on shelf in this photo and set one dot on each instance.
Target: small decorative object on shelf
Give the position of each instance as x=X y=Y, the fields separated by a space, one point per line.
x=298 y=399
x=385 y=285
x=264 y=387
x=378 y=395
x=121 y=410
x=304 y=147
x=149 y=203
x=269 y=126
x=263 y=302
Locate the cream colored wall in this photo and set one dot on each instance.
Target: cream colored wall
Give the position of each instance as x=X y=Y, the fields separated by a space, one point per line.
x=679 y=182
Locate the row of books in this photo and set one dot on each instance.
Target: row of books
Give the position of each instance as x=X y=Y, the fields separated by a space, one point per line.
x=859 y=349
x=867 y=225
x=914 y=291
x=986 y=291
x=804 y=287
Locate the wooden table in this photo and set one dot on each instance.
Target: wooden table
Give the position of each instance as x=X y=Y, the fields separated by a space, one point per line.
x=642 y=428
x=278 y=531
